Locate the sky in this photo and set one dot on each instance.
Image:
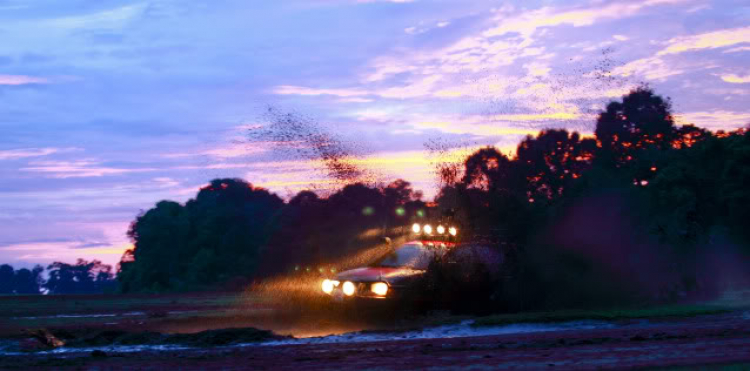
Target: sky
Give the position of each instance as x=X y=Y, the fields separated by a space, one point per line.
x=107 y=107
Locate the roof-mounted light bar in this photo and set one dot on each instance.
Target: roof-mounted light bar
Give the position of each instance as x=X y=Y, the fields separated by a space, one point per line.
x=427 y=229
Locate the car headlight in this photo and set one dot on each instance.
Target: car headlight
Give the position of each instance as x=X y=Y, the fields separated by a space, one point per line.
x=379 y=288
x=329 y=285
x=453 y=231
x=440 y=229
x=349 y=288
x=416 y=228
x=427 y=229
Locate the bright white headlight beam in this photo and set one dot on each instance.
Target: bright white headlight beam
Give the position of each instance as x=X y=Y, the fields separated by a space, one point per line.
x=379 y=288
x=349 y=288
x=329 y=285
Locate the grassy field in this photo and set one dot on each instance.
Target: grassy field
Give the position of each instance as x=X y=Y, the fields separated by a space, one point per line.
x=142 y=311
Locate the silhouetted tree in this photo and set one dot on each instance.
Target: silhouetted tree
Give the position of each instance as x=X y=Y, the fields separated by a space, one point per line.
x=642 y=120
x=553 y=159
x=733 y=190
x=400 y=192
x=305 y=199
x=28 y=281
x=653 y=199
x=213 y=238
x=7 y=274
x=83 y=277
x=489 y=170
x=22 y=281
x=687 y=136
x=160 y=251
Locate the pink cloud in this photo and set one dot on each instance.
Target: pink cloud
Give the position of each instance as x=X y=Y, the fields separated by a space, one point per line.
x=76 y=169
x=21 y=80
x=13 y=154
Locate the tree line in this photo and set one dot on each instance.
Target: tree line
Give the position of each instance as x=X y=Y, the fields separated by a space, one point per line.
x=641 y=209
x=233 y=232
x=83 y=277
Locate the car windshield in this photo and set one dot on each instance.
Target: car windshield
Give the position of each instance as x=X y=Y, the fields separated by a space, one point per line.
x=411 y=255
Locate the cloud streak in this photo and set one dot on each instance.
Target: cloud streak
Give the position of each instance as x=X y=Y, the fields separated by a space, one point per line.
x=13 y=154
x=16 y=80
x=78 y=169
x=708 y=40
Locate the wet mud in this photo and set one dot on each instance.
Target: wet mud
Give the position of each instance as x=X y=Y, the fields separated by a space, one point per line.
x=713 y=340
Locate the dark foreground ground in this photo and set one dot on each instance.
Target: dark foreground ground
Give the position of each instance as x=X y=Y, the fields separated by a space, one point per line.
x=678 y=338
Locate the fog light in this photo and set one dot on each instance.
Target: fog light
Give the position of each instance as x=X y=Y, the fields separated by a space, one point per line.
x=349 y=288
x=379 y=288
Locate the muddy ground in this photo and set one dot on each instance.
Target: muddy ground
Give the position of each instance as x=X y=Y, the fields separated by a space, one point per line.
x=187 y=332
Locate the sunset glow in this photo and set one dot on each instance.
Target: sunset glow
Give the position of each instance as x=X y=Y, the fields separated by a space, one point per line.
x=110 y=107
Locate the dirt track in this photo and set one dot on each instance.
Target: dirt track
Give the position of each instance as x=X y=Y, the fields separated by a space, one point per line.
x=706 y=340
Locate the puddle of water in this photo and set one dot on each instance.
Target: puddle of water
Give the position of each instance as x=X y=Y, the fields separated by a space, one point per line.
x=93 y=315
x=6 y=351
x=464 y=329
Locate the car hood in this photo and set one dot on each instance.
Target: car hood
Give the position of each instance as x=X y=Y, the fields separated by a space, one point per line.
x=374 y=274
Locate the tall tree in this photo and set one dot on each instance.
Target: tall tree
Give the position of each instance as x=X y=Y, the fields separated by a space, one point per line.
x=7 y=274
x=490 y=170
x=553 y=159
x=213 y=238
x=642 y=120
x=28 y=281
x=160 y=254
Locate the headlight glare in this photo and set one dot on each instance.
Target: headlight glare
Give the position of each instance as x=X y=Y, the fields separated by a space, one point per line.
x=379 y=288
x=349 y=288
x=329 y=285
x=440 y=229
x=416 y=228
x=427 y=229
x=453 y=231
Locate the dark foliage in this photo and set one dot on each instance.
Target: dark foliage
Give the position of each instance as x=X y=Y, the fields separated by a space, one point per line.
x=646 y=211
x=83 y=277
x=233 y=232
x=22 y=281
x=643 y=211
x=215 y=237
